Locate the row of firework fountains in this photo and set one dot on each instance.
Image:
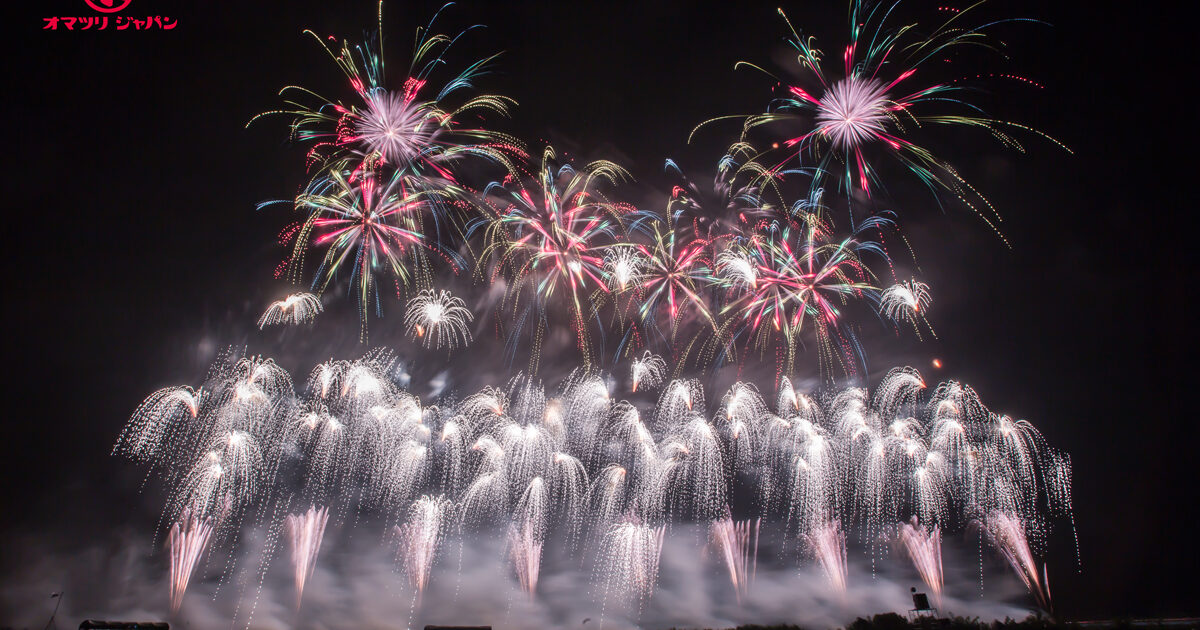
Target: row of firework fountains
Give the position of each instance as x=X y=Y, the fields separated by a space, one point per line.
x=715 y=274
x=590 y=474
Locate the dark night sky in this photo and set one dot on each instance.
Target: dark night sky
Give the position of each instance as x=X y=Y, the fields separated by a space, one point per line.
x=131 y=188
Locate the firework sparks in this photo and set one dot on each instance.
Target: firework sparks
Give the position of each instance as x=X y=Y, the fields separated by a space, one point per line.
x=828 y=545
x=421 y=537
x=188 y=539
x=305 y=531
x=295 y=309
x=647 y=371
x=1006 y=531
x=737 y=544
x=438 y=318
x=924 y=547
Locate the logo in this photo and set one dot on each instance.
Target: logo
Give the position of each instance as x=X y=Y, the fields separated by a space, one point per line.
x=99 y=21
x=107 y=6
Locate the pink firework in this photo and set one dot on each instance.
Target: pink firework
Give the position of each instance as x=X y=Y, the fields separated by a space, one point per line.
x=1006 y=531
x=188 y=539
x=421 y=537
x=305 y=531
x=737 y=544
x=924 y=547
x=828 y=545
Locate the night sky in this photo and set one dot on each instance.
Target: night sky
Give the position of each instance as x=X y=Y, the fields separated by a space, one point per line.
x=133 y=236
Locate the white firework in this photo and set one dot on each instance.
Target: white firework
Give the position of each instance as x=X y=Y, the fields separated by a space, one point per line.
x=648 y=370
x=623 y=267
x=852 y=112
x=904 y=302
x=396 y=127
x=737 y=268
x=438 y=318
x=296 y=308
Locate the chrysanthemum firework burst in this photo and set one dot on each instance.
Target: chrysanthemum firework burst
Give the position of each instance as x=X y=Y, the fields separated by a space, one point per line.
x=411 y=125
x=550 y=237
x=884 y=91
x=799 y=274
x=677 y=271
x=366 y=228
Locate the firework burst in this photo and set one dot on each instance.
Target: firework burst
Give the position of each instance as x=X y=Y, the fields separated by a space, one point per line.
x=295 y=309
x=551 y=240
x=438 y=318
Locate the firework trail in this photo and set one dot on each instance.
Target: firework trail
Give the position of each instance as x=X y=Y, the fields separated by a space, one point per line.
x=188 y=539
x=730 y=205
x=295 y=309
x=527 y=536
x=737 y=544
x=924 y=547
x=828 y=545
x=1006 y=532
x=305 y=531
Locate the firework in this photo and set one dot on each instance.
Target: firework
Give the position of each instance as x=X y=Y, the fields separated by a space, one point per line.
x=367 y=226
x=297 y=308
x=522 y=463
x=675 y=273
x=623 y=268
x=924 y=548
x=737 y=544
x=157 y=422
x=552 y=239
x=828 y=545
x=421 y=537
x=629 y=561
x=438 y=318
x=883 y=92
x=787 y=277
x=647 y=371
x=1006 y=531
x=305 y=531
x=412 y=128
x=384 y=185
x=188 y=539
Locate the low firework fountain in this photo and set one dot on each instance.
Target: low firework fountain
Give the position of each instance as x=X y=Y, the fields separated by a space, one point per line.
x=187 y=541
x=736 y=543
x=421 y=537
x=1006 y=531
x=526 y=536
x=827 y=543
x=924 y=548
x=305 y=531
